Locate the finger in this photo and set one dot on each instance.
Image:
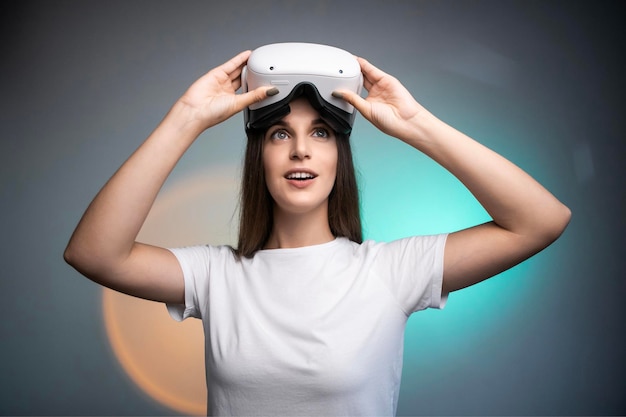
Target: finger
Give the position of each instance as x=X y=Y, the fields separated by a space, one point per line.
x=355 y=100
x=236 y=83
x=246 y=99
x=236 y=63
x=235 y=74
x=371 y=74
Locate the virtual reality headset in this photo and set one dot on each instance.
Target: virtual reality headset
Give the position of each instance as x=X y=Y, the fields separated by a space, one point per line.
x=301 y=69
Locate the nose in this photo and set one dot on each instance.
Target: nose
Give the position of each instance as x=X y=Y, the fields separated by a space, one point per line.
x=300 y=148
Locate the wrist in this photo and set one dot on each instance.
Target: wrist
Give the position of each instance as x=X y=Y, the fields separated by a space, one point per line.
x=420 y=129
x=184 y=120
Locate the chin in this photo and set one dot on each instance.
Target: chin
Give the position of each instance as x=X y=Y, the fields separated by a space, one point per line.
x=302 y=207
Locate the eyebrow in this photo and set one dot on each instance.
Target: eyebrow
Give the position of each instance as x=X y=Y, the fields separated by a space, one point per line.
x=318 y=121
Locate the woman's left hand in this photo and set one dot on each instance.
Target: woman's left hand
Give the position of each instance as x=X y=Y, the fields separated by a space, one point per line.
x=526 y=216
x=389 y=106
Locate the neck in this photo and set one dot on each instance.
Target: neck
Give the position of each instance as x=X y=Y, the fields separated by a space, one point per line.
x=299 y=230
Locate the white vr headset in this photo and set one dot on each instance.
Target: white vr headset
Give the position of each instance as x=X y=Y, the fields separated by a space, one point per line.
x=301 y=69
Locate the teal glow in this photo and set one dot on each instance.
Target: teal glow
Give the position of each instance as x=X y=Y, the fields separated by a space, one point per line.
x=404 y=193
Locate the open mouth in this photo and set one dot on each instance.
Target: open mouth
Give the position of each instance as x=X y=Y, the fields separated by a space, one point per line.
x=300 y=176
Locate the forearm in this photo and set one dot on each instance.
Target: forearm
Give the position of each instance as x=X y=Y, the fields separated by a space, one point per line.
x=107 y=231
x=526 y=217
x=514 y=200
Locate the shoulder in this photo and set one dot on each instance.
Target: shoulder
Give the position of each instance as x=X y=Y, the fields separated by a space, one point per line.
x=412 y=245
x=410 y=252
x=199 y=255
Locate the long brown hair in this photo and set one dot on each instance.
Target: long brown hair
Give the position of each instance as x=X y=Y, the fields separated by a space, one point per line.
x=256 y=204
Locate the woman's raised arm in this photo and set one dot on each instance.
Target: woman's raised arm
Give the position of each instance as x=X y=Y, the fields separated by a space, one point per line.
x=526 y=217
x=103 y=246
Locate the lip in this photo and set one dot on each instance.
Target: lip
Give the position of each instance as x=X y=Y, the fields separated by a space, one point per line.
x=300 y=183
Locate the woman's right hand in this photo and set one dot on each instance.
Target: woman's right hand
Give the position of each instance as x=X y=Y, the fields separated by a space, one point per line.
x=212 y=98
x=103 y=247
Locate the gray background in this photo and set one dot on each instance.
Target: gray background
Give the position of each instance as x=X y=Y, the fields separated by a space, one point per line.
x=83 y=83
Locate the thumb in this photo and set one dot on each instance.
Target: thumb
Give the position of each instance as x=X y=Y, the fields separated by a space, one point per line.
x=256 y=95
x=354 y=99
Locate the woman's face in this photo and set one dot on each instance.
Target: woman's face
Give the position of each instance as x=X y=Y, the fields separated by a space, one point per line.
x=300 y=160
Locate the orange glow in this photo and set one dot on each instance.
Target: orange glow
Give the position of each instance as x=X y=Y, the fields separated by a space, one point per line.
x=163 y=357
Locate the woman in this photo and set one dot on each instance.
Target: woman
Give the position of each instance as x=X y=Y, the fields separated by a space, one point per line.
x=303 y=318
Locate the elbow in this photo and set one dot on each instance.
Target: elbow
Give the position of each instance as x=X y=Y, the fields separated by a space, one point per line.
x=72 y=256
x=93 y=262
x=546 y=227
x=564 y=218
x=81 y=259
x=69 y=255
x=557 y=224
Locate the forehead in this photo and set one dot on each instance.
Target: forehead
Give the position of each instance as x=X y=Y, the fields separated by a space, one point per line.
x=301 y=110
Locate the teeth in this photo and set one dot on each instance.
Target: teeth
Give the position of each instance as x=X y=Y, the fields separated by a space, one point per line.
x=300 y=176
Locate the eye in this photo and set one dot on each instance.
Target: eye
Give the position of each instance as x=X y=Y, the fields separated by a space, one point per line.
x=320 y=132
x=279 y=134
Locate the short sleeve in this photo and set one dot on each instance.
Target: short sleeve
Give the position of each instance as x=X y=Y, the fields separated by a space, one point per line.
x=194 y=262
x=412 y=269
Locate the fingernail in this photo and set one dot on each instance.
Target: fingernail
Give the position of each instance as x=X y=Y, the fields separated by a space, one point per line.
x=272 y=92
x=337 y=94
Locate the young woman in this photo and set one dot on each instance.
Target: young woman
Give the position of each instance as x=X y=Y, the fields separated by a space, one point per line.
x=302 y=318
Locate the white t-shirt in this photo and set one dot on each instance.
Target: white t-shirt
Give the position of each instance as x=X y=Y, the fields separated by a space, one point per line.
x=317 y=330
